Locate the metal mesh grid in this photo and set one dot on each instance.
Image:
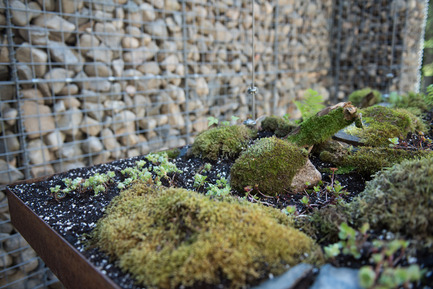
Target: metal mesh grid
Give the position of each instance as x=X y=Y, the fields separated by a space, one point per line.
x=85 y=82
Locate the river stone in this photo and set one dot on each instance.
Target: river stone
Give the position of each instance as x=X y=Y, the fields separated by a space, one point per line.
x=157 y=28
x=108 y=34
x=288 y=280
x=5 y=260
x=34 y=35
x=68 y=6
x=92 y=145
x=307 y=174
x=21 y=16
x=336 y=278
x=101 y=53
x=38 y=152
x=57 y=75
x=29 y=54
x=151 y=67
x=38 y=119
x=14 y=242
x=90 y=126
x=64 y=55
x=87 y=41
x=55 y=140
x=9 y=174
x=60 y=29
x=69 y=121
x=148 y=13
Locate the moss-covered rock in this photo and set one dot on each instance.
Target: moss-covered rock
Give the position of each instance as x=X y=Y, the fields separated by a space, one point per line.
x=277 y=125
x=324 y=124
x=358 y=97
x=225 y=141
x=383 y=123
x=416 y=103
x=269 y=165
x=399 y=199
x=168 y=237
x=369 y=160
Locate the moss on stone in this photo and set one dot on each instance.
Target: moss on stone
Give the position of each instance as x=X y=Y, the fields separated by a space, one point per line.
x=369 y=160
x=383 y=123
x=167 y=237
x=416 y=103
x=319 y=128
x=399 y=199
x=357 y=96
x=225 y=141
x=277 y=125
x=270 y=165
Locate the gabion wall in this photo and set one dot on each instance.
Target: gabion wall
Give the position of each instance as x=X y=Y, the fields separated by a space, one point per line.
x=86 y=82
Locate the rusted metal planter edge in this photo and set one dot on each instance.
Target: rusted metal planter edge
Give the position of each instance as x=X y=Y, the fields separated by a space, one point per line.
x=69 y=265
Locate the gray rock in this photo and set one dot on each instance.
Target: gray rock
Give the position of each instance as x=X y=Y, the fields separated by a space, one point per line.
x=307 y=174
x=35 y=35
x=92 y=145
x=336 y=278
x=37 y=119
x=288 y=280
x=69 y=121
x=57 y=75
x=29 y=54
x=60 y=29
x=63 y=54
x=38 y=152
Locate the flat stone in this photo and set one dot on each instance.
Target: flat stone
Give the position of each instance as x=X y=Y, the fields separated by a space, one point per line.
x=57 y=75
x=35 y=35
x=157 y=28
x=90 y=126
x=64 y=55
x=26 y=53
x=307 y=174
x=38 y=152
x=55 y=140
x=347 y=138
x=151 y=67
x=108 y=34
x=69 y=121
x=336 y=278
x=21 y=16
x=101 y=53
x=118 y=66
x=38 y=119
x=59 y=27
x=288 y=280
x=92 y=145
x=141 y=54
x=9 y=174
x=41 y=171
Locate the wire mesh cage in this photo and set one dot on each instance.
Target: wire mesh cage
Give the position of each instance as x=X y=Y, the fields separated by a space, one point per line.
x=90 y=81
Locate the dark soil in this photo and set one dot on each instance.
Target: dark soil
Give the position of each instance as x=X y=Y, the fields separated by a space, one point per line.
x=75 y=216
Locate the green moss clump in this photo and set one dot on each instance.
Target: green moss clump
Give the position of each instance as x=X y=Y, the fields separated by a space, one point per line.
x=324 y=224
x=416 y=103
x=357 y=97
x=167 y=237
x=270 y=165
x=399 y=199
x=383 y=123
x=319 y=128
x=225 y=141
x=369 y=160
x=277 y=125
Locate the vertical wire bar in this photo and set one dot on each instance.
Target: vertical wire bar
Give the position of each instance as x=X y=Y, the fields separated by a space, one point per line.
x=186 y=74
x=421 y=46
x=253 y=68
x=337 y=60
x=276 y=43
x=14 y=78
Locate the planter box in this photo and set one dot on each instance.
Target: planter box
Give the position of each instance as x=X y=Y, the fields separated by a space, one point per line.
x=69 y=265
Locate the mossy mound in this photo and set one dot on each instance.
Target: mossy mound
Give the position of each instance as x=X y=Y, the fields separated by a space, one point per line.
x=269 y=165
x=399 y=199
x=167 y=237
x=358 y=97
x=383 y=123
x=277 y=125
x=225 y=141
x=369 y=160
x=416 y=103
